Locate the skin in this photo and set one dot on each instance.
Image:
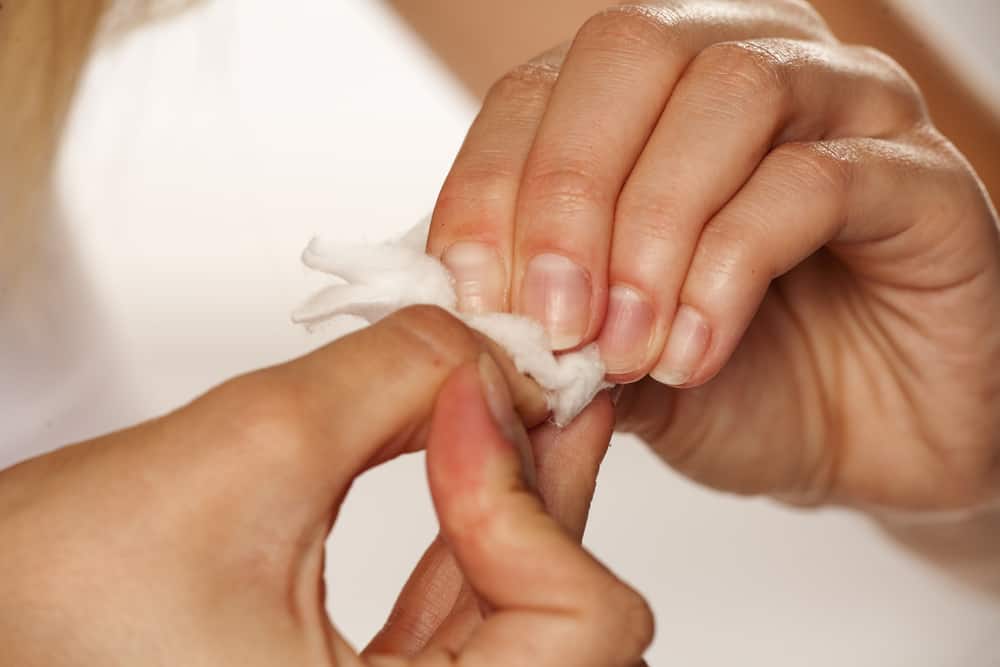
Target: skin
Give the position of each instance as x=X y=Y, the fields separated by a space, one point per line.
x=480 y=40
x=214 y=518
x=839 y=264
x=42 y=80
x=842 y=261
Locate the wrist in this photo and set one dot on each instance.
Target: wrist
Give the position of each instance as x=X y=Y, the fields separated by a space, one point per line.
x=965 y=543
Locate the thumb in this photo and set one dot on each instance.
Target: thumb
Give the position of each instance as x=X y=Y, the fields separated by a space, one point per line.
x=553 y=603
x=436 y=607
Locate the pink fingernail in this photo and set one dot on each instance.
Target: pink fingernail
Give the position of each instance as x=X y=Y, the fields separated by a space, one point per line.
x=628 y=327
x=480 y=278
x=686 y=346
x=556 y=292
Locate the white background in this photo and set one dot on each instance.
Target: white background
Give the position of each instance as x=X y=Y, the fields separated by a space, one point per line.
x=202 y=155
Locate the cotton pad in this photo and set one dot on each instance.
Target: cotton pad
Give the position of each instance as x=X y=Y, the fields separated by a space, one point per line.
x=379 y=279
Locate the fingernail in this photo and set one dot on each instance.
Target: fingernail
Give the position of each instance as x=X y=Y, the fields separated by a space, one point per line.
x=501 y=406
x=686 y=345
x=624 y=341
x=556 y=292
x=480 y=278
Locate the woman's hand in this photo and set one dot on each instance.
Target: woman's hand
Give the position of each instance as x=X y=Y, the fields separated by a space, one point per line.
x=197 y=538
x=731 y=201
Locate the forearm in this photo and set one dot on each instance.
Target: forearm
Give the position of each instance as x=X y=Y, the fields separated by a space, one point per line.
x=481 y=39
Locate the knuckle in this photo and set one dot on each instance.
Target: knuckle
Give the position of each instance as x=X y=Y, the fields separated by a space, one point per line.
x=433 y=335
x=649 y=214
x=526 y=84
x=939 y=161
x=570 y=186
x=936 y=156
x=625 y=26
x=477 y=196
x=939 y=151
x=491 y=526
x=814 y=168
x=893 y=71
x=627 y=615
x=740 y=74
x=903 y=92
x=263 y=412
x=480 y=533
x=641 y=624
x=726 y=258
x=805 y=14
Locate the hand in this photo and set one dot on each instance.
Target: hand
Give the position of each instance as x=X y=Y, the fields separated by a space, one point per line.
x=197 y=538
x=438 y=608
x=729 y=200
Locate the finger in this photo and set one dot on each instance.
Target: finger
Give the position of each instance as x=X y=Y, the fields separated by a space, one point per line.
x=611 y=90
x=473 y=224
x=308 y=427
x=554 y=604
x=735 y=102
x=399 y=363
x=567 y=461
x=434 y=601
x=429 y=596
x=866 y=196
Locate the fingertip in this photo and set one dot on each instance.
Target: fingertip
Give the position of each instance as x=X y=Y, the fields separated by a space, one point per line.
x=628 y=333
x=688 y=341
x=480 y=276
x=558 y=292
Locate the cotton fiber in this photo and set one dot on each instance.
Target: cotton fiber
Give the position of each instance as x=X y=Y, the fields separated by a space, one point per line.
x=379 y=279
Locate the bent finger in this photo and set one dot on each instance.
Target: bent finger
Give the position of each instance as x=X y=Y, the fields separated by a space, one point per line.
x=553 y=603
x=431 y=594
x=435 y=609
x=866 y=197
x=738 y=100
x=618 y=75
x=306 y=428
x=472 y=229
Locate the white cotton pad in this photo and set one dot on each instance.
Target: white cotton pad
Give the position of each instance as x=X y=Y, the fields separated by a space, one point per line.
x=379 y=279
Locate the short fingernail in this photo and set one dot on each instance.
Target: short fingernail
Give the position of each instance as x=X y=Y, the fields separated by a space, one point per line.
x=686 y=345
x=480 y=278
x=501 y=406
x=628 y=326
x=556 y=292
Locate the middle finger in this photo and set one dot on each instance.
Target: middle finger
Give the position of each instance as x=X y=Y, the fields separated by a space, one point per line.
x=615 y=83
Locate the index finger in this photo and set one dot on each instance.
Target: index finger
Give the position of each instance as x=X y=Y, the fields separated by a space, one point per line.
x=472 y=229
x=553 y=603
x=324 y=418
